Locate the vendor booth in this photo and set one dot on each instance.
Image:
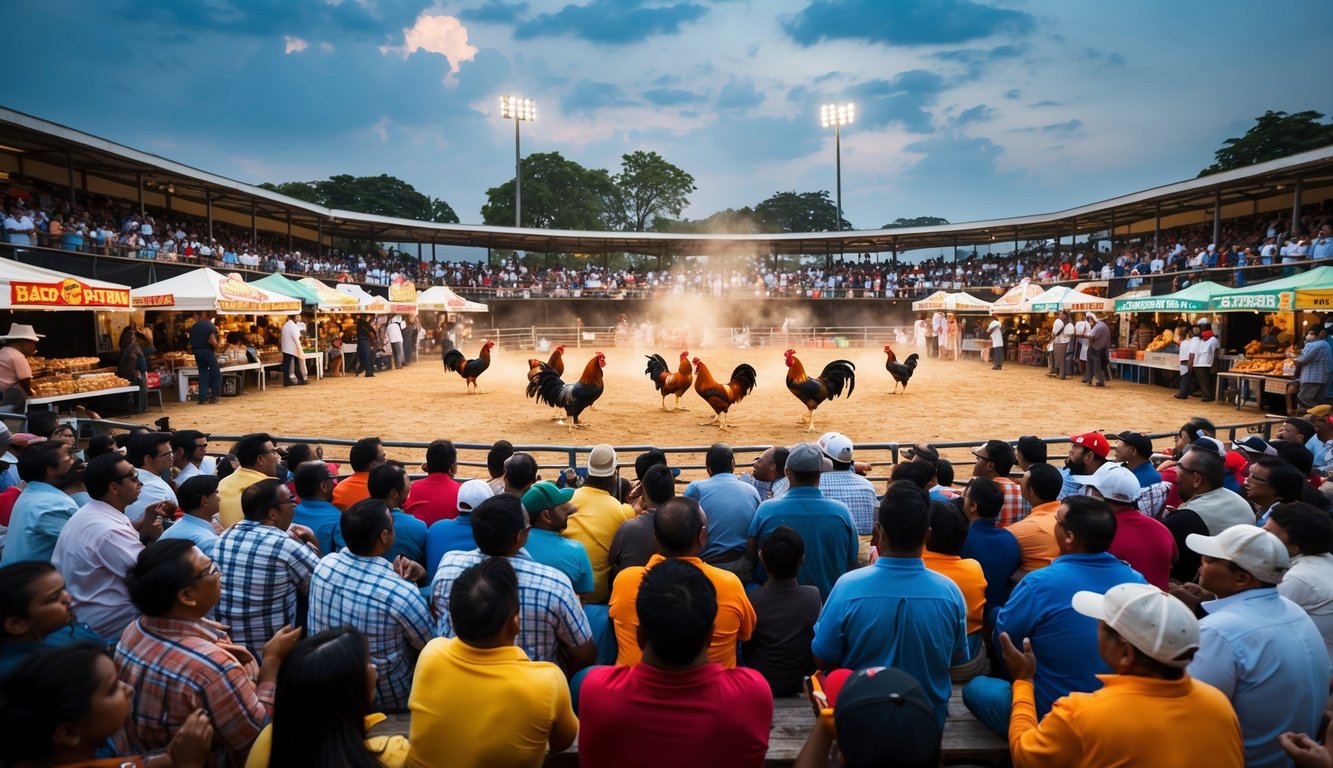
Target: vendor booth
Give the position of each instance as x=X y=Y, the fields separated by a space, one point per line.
x=441 y=298
x=943 y=301
x=1017 y=300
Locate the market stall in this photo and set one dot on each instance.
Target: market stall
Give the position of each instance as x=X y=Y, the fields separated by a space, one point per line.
x=1017 y=300
x=943 y=301
x=441 y=298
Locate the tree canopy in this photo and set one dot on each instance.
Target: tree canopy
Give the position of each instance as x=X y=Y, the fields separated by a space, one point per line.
x=1274 y=135
x=383 y=195
x=648 y=187
x=800 y=212
x=557 y=194
x=918 y=221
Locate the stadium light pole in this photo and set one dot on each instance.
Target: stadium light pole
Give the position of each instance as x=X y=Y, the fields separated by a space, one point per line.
x=517 y=109
x=837 y=115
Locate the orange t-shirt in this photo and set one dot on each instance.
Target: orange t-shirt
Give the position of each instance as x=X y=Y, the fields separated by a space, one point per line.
x=735 y=616
x=969 y=577
x=351 y=490
x=1036 y=537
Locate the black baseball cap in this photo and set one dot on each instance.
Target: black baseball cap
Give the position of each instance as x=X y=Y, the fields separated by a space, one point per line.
x=1140 y=443
x=883 y=711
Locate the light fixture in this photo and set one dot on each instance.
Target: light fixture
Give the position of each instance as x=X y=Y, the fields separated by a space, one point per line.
x=517 y=109
x=836 y=116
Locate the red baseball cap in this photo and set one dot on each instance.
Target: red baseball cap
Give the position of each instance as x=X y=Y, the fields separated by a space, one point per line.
x=1093 y=441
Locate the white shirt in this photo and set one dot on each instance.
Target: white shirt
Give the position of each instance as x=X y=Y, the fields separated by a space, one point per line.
x=1309 y=584
x=207 y=467
x=1188 y=347
x=1205 y=351
x=96 y=548
x=154 y=489
x=291 y=338
x=996 y=332
x=395 y=333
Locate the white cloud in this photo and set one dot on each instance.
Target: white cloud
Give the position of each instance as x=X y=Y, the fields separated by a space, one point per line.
x=444 y=35
x=294 y=44
x=326 y=47
x=381 y=129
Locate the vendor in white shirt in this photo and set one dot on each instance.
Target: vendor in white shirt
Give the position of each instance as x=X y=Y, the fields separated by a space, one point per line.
x=150 y=453
x=293 y=360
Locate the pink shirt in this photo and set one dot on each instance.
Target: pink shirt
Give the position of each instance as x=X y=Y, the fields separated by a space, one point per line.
x=13 y=367
x=1145 y=544
x=433 y=498
x=96 y=548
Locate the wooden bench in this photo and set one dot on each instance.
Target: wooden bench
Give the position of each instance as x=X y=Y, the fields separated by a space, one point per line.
x=966 y=741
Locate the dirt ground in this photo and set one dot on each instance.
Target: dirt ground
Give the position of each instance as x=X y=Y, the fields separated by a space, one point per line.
x=945 y=401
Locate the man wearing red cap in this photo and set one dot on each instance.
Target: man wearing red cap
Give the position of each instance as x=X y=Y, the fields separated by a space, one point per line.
x=1087 y=455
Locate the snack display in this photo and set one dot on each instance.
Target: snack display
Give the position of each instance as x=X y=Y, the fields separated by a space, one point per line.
x=43 y=365
x=1270 y=364
x=60 y=384
x=1164 y=339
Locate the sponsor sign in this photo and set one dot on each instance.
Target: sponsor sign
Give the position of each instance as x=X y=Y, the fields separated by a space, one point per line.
x=66 y=293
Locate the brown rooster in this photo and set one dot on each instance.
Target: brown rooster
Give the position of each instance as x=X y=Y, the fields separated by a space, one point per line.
x=720 y=397
x=813 y=391
x=669 y=383
x=574 y=398
x=470 y=369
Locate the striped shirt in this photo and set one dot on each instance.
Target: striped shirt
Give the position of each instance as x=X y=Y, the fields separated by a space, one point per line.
x=856 y=492
x=549 y=612
x=176 y=667
x=1015 y=506
x=364 y=592
x=263 y=570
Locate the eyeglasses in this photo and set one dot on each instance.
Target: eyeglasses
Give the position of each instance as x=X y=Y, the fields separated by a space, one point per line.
x=983 y=457
x=1192 y=471
x=166 y=455
x=1253 y=478
x=211 y=570
x=131 y=476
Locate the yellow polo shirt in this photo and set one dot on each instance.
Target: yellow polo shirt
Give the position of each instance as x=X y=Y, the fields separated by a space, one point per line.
x=594 y=523
x=389 y=751
x=971 y=581
x=1036 y=537
x=229 y=494
x=488 y=707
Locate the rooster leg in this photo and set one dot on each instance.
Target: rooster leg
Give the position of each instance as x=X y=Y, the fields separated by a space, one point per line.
x=811 y=428
x=679 y=407
x=712 y=421
x=664 y=404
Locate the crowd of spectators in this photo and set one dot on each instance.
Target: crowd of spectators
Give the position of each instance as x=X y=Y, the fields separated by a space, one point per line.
x=1103 y=609
x=109 y=227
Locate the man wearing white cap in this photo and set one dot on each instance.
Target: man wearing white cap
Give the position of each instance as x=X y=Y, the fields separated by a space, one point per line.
x=15 y=372
x=1142 y=711
x=842 y=483
x=1260 y=649
x=597 y=516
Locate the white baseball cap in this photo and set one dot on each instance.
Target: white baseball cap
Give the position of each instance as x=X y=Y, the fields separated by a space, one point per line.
x=1115 y=483
x=1250 y=547
x=1157 y=624
x=837 y=446
x=602 y=461
x=471 y=494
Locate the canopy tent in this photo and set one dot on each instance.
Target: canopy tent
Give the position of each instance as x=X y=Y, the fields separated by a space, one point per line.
x=376 y=305
x=1018 y=299
x=1311 y=290
x=1195 y=298
x=278 y=283
x=206 y=290
x=329 y=299
x=441 y=298
x=1063 y=297
x=943 y=301
x=25 y=287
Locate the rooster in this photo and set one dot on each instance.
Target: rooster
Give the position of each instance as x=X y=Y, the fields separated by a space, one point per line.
x=901 y=372
x=669 y=383
x=574 y=398
x=555 y=363
x=470 y=369
x=813 y=391
x=721 y=397
x=889 y=351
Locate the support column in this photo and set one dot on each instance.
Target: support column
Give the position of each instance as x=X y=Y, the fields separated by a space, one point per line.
x=254 y=225
x=139 y=180
x=1157 y=228
x=289 y=231
x=208 y=207
x=1296 y=204
x=1217 y=218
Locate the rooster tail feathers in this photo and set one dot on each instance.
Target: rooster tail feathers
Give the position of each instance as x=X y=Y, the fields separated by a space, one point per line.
x=453 y=360
x=547 y=388
x=744 y=378
x=912 y=360
x=839 y=374
x=657 y=365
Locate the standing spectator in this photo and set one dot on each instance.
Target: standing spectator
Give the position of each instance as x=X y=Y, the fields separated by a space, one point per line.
x=42 y=509
x=259 y=461
x=1188 y=346
x=785 y=613
x=435 y=496
x=1062 y=335
x=729 y=504
x=995 y=458
x=204 y=343
x=1204 y=354
x=676 y=707
x=293 y=360
x=1307 y=533
x=393 y=331
x=358 y=587
x=1312 y=372
x=15 y=371
x=198 y=504
x=366 y=454
x=996 y=332
x=1099 y=341
x=599 y=515
x=367 y=341
x=548 y=510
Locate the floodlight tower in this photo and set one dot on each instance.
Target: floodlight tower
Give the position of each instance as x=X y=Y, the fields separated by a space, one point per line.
x=517 y=109
x=836 y=116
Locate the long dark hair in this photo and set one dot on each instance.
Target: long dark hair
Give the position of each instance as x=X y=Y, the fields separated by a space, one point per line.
x=46 y=689
x=322 y=702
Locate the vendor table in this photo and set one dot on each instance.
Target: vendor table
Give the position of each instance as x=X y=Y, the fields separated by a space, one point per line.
x=51 y=400
x=1252 y=386
x=183 y=376
x=318 y=357
x=1140 y=371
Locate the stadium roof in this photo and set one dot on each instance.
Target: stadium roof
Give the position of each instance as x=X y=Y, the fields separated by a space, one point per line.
x=33 y=147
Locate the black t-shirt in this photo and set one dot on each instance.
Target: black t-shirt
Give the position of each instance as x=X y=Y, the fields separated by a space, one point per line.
x=199 y=333
x=779 y=647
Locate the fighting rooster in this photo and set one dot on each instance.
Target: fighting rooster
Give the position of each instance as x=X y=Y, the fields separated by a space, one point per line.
x=669 y=383
x=574 y=398
x=901 y=372
x=469 y=369
x=813 y=391
x=720 y=397
x=555 y=363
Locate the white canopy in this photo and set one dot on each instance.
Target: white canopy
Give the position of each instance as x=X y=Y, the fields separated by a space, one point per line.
x=441 y=298
x=375 y=305
x=951 y=302
x=1017 y=300
x=1060 y=297
x=207 y=290
x=25 y=287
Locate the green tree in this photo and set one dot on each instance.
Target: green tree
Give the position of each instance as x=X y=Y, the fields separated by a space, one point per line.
x=728 y=222
x=800 y=212
x=918 y=221
x=383 y=195
x=557 y=194
x=301 y=190
x=1274 y=135
x=441 y=212
x=649 y=187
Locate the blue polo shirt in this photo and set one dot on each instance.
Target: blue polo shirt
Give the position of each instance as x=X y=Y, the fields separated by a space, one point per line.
x=826 y=528
x=39 y=515
x=565 y=555
x=191 y=528
x=324 y=519
x=729 y=503
x=409 y=538
x=1065 y=640
x=447 y=536
x=999 y=554
x=896 y=613
x=1147 y=474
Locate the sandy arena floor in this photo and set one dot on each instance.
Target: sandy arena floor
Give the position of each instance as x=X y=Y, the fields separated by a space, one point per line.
x=945 y=401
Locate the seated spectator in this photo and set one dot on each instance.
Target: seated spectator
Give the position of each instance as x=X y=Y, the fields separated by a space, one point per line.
x=548 y=510
x=265 y=572
x=1262 y=651
x=995 y=548
x=42 y=509
x=435 y=496
x=676 y=707
x=390 y=484
x=878 y=716
x=842 y=483
x=896 y=612
x=61 y=706
x=1040 y=610
x=994 y=460
x=366 y=454
x=1207 y=508
x=1035 y=533
x=177 y=661
x=948 y=531
x=35 y=613
x=1029 y=450
x=189 y=448
x=554 y=625
x=314 y=486
x=1142 y=542
x=597 y=516
x=679 y=526
x=1272 y=481
x=634 y=543
x=321 y=712
x=1134 y=451
x=785 y=613
x=358 y=587
x=768 y=467
x=255 y=459
x=496 y=457
x=1147 y=638
x=1308 y=535
x=730 y=505
x=520 y=473
x=455 y=534
x=199 y=503
x=150 y=454
x=478 y=699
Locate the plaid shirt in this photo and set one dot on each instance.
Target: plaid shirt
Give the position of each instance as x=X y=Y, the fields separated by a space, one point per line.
x=263 y=569
x=1314 y=363
x=364 y=592
x=856 y=492
x=548 y=608
x=1015 y=506
x=176 y=667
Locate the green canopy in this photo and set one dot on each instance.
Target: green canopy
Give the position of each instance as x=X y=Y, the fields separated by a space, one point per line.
x=1274 y=295
x=1196 y=298
x=277 y=283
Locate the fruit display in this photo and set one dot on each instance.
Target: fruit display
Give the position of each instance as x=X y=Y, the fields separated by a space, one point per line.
x=60 y=384
x=1164 y=339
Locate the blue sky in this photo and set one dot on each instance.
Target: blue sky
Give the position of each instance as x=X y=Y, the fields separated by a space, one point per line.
x=966 y=110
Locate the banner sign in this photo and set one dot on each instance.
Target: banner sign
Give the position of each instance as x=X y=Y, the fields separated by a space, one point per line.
x=67 y=293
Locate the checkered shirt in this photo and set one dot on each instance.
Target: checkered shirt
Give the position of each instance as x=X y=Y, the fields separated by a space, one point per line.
x=1015 y=506
x=176 y=667
x=856 y=492
x=263 y=569
x=548 y=608
x=364 y=592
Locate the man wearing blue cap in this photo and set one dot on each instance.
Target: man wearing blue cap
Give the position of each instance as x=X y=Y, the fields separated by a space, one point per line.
x=548 y=510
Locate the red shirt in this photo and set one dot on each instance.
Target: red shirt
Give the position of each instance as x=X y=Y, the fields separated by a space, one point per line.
x=433 y=498
x=1145 y=544
x=648 y=717
x=7 y=499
